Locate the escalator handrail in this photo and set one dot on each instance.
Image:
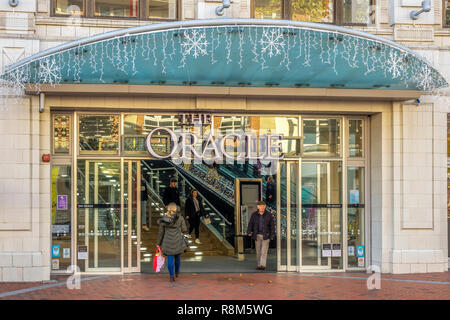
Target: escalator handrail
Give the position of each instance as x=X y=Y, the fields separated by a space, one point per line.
x=209 y=203
x=196 y=178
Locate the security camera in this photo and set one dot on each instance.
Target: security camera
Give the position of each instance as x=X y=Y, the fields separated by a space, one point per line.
x=426 y=7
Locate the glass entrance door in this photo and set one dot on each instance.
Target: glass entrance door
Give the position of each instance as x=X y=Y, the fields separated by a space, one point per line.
x=321 y=216
x=108 y=203
x=288 y=217
x=131 y=215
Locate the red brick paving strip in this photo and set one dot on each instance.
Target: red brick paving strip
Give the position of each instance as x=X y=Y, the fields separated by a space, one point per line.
x=245 y=286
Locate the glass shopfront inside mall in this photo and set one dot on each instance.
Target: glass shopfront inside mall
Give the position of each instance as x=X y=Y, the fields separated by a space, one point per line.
x=107 y=192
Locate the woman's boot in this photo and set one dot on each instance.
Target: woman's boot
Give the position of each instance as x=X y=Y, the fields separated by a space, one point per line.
x=176 y=274
x=172 y=279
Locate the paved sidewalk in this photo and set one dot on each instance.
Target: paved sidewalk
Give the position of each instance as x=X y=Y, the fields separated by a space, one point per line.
x=235 y=286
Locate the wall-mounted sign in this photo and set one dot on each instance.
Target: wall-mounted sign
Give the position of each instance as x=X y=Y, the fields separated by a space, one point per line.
x=55 y=264
x=203 y=119
x=61 y=202
x=186 y=146
x=66 y=253
x=351 y=251
x=336 y=250
x=61 y=228
x=360 y=251
x=354 y=196
x=56 y=251
x=82 y=252
x=360 y=262
x=326 y=250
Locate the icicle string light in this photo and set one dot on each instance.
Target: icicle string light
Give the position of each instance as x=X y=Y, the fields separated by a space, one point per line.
x=159 y=55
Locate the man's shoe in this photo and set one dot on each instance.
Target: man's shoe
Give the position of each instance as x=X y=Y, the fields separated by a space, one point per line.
x=188 y=236
x=172 y=279
x=197 y=241
x=145 y=228
x=258 y=268
x=262 y=268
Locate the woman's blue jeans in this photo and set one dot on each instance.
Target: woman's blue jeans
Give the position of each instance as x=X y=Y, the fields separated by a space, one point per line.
x=170 y=261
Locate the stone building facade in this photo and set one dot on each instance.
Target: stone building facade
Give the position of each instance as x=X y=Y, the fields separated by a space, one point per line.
x=407 y=139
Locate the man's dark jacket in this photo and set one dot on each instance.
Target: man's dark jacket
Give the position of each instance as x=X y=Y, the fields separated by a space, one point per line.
x=190 y=208
x=171 y=195
x=270 y=191
x=268 y=225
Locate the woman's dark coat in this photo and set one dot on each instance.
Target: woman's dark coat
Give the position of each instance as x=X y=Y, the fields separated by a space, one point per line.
x=170 y=235
x=190 y=208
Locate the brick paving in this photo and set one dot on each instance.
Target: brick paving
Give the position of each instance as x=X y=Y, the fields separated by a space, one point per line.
x=259 y=286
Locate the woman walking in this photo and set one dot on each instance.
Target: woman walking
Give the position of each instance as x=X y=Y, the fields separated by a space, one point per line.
x=194 y=210
x=170 y=239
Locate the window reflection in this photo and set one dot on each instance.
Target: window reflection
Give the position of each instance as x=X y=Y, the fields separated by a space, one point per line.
x=312 y=10
x=355 y=214
x=70 y=7
x=268 y=9
x=357 y=11
x=116 y=8
x=162 y=9
x=61 y=134
x=99 y=134
x=321 y=137
x=355 y=135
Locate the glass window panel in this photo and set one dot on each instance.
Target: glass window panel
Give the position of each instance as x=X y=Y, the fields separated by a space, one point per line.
x=321 y=213
x=357 y=11
x=312 y=10
x=61 y=134
x=99 y=134
x=268 y=9
x=294 y=209
x=355 y=136
x=321 y=137
x=71 y=7
x=61 y=216
x=138 y=126
x=355 y=212
x=447 y=12
x=162 y=9
x=116 y=8
x=283 y=215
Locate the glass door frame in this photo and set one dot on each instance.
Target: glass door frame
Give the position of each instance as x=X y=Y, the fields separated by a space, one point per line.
x=343 y=245
x=138 y=212
x=288 y=266
x=130 y=268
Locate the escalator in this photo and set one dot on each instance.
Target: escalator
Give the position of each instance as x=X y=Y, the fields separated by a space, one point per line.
x=215 y=237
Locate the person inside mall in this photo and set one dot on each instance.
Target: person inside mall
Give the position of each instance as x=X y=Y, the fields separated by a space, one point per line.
x=171 y=239
x=171 y=194
x=194 y=210
x=261 y=228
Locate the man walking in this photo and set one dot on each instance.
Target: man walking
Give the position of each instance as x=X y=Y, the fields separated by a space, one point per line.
x=261 y=228
x=171 y=194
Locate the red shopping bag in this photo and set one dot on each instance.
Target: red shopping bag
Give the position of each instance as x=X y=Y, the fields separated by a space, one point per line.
x=158 y=260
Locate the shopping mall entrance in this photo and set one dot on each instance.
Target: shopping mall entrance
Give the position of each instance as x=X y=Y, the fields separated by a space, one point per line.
x=316 y=194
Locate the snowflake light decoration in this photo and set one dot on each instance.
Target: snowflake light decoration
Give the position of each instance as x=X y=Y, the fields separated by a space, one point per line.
x=395 y=64
x=49 y=71
x=194 y=43
x=272 y=42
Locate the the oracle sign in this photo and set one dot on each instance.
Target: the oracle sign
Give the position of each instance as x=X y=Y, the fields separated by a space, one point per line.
x=186 y=146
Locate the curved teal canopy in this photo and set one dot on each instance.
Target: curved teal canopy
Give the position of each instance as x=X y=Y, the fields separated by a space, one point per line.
x=232 y=52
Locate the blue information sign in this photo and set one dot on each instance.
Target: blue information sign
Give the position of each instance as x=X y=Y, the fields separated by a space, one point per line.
x=56 y=251
x=360 y=251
